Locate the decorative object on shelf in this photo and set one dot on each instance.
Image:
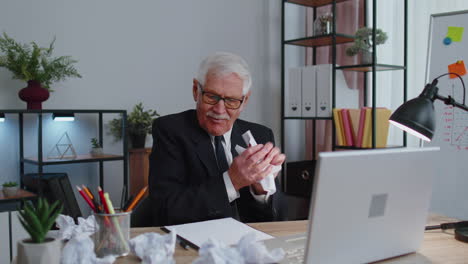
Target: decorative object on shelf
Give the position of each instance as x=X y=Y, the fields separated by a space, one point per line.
x=96 y=147
x=36 y=66
x=37 y=221
x=363 y=43
x=10 y=188
x=63 y=149
x=323 y=24
x=139 y=124
x=417 y=116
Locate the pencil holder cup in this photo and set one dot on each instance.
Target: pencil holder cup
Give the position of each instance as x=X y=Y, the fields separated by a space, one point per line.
x=113 y=234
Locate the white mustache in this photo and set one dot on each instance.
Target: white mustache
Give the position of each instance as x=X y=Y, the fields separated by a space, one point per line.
x=213 y=115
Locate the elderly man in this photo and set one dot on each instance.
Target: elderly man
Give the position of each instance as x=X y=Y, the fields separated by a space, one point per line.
x=195 y=172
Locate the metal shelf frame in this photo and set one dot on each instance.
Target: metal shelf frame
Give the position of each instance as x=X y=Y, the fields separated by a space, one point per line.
x=333 y=40
x=40 y=161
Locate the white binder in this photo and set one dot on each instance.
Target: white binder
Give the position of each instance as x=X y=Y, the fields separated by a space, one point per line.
x=293 y=104
x=309 y=91
x=324 y=90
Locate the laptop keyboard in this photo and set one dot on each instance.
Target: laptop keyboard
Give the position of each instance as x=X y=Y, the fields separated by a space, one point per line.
x=294 y=256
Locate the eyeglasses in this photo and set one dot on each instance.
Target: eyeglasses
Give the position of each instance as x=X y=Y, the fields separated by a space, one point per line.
x=212 y=99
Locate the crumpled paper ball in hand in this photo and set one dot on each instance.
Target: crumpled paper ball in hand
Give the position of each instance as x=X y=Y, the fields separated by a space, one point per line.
x=153 y=248
x=247 y=251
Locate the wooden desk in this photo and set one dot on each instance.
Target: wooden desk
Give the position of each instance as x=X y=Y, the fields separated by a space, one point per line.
x=437 y=247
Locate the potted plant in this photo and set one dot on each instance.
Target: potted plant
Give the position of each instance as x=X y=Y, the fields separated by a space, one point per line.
x=139 y=124
x=96 y=147
x=10 y=188
x=37 y=221
x=363 y=43
x=323 y=24
x=36 y=66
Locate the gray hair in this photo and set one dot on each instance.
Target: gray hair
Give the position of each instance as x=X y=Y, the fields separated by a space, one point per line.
x=223 y=64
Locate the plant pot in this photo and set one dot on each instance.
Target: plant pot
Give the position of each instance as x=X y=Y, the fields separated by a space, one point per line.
x=47 y=252
x=96 y=151
x=366 y=57
x=33 y=95
x=10 y=191
x=138 y=140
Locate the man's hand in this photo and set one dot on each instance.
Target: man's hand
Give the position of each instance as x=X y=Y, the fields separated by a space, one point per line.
x=254 y=164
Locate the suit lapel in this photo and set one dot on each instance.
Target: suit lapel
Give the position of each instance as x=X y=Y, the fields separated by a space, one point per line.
x=204 y=148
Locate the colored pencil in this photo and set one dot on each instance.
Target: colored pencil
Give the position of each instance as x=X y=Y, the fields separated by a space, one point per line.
x=114 y=219
x=87 y=199
x=87 y=191
x=103 y=200
x=137 y=199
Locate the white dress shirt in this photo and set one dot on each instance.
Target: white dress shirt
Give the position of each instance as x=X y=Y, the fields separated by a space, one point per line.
x=232 y=193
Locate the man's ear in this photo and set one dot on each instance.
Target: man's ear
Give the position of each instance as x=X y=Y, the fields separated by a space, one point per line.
x=195 y=89
x=246 y=99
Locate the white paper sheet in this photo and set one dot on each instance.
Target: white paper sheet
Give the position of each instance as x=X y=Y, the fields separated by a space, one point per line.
x=227 y=230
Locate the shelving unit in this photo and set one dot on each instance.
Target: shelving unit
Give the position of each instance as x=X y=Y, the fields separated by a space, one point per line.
x=40 y=161
x=333 y=40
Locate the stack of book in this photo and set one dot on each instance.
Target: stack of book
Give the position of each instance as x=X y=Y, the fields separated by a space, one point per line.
x=354 y=127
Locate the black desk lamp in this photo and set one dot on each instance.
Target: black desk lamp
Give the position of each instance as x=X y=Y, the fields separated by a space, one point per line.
x=417 y=117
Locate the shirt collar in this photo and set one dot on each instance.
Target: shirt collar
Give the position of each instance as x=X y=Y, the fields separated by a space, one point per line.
x=226 y=136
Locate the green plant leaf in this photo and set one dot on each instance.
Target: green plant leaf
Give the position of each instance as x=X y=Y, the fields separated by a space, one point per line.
x=48 y=224
x=32 y=219
x=35 y=236
x=31 y=62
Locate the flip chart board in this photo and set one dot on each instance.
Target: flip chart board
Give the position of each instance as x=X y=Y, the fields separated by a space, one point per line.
x=448 y=52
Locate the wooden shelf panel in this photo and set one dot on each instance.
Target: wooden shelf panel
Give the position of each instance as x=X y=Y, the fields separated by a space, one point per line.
x=368 y=67
x=307 y=118
x=20 y=194
x=78 y=159
x=317 y=41
x=313 y=3
x=352 y=147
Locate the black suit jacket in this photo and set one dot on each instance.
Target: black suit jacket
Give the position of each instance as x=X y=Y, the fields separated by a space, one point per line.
x=185 y=184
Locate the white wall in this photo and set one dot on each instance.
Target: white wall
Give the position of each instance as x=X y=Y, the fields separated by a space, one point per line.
x=139 y=51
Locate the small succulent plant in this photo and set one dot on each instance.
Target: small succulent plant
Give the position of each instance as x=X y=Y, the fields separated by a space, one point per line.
x=37 y=220
x=95 y=143
x=10 y=184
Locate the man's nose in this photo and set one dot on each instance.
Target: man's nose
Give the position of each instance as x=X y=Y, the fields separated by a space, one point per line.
x=219 y=107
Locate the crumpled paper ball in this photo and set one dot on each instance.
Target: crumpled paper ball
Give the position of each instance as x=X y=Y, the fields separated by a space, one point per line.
x=153 y=248
x=80 y=250
x=247 y=251
x=69 y=230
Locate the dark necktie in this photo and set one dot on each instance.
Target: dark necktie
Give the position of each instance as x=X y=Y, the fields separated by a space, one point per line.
x=221 y=154
x=223 y=166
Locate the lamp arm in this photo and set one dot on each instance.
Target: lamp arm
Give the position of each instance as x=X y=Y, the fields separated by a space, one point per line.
x=434 y=82
x=450 y=101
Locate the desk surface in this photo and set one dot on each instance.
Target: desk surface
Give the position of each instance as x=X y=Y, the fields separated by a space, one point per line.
x=437 y=247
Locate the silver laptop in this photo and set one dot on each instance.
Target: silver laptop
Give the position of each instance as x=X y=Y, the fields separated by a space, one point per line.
x=366 y=205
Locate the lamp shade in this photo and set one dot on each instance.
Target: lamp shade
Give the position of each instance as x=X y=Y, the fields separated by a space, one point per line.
x=416 y=117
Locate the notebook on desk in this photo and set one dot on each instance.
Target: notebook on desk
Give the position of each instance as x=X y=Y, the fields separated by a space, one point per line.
x=366 y=205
